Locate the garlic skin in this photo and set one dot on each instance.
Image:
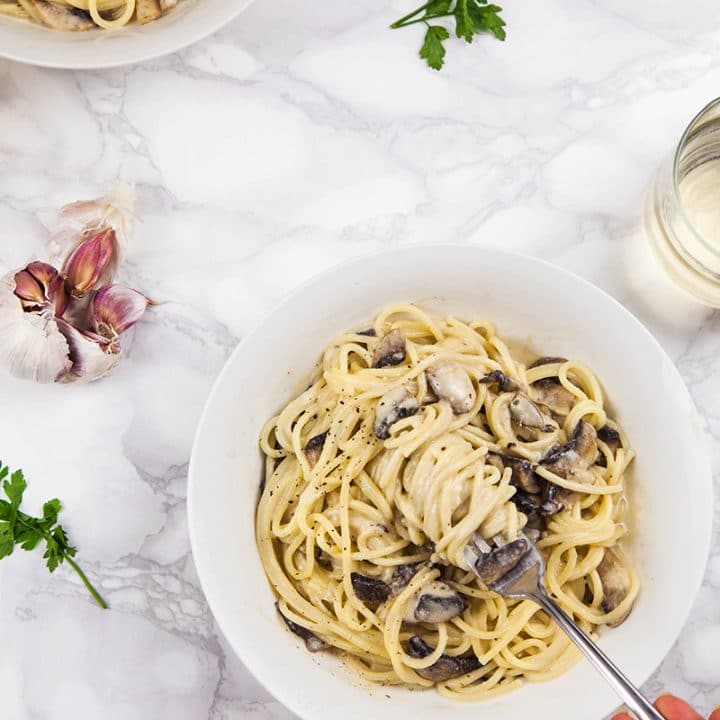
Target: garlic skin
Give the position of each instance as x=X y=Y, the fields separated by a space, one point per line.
x=31 y=344
x=78 y=220
x=89 y=359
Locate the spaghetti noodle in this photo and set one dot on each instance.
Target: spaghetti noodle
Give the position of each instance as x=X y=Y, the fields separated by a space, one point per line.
x=412 y=436
x=78 y=15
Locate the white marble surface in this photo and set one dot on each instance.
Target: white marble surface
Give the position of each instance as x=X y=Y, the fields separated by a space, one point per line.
x=303 y=135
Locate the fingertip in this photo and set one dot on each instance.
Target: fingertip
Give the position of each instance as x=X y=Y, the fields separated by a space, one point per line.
x=675 y=709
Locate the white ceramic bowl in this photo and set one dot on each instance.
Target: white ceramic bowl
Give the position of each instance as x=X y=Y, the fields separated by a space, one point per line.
x=189 y=22
x=537 y=304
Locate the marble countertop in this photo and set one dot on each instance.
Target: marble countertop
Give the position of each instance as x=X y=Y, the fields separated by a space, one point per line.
x=300 y=136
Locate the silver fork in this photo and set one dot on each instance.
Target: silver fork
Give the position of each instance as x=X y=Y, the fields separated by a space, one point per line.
x=517 y=570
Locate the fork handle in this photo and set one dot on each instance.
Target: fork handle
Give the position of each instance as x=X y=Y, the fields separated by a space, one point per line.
x=630 y=695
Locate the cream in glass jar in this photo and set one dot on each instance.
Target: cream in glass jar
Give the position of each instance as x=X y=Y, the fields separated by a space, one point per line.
x=682 y=211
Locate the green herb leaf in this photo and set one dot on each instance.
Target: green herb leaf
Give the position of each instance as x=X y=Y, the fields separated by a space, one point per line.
x=471 y=17
x=464 y=26
x=28 y=538
x=51 y=510
x=487 y=18
x=14 y=488
x=438 y=7
x=7 y=540
x=432 y=49
x=18 y=528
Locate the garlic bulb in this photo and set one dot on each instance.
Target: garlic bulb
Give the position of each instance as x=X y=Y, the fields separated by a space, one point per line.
x=31 y=344
x=65 y=325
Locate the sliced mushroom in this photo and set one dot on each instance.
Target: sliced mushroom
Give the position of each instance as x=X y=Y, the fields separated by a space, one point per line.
x=322 y=558
x=446 y=667
x=528 y=503
x=499 y=561
x=166 y=5
x=504 y=383
x=551 y=393
x=435 y=603
x=547 y=360
x=528 y=415
x=61 y=17
x=532 y=534
x=535 y=527
x=572 y=460
x=450 y=382
x=615 y=581
x=390 y=350
x=369 y=589
x=393 y=406
x=523 y=474
x=312 y=642
x=609 y=436
x=147 y=10
x=313 y=448
x=556 y=499
x=401 y=577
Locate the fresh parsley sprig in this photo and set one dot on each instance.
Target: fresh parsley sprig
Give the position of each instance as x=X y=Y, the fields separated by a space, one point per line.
x=471 y=17
x=18 y=528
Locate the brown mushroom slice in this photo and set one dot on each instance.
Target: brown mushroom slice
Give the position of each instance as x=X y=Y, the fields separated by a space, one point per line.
x=60 y=17
x=499 y=561
x=504 y=383
x=437 y=602
x=529 y=417
x=390 y=350
x=370 y=590
x=450 y=382
x=615 y=580
x=312 y=642
x=446 y=667
x=554 y=395
x=547 y=360
x=609 y=436
x=556 y=499
x=522 y=472
x=401 y=577
x=166 y=5
x=393 y=406
x=572 y=460
x=322 y=558
x=313 y=448
x=147 y=10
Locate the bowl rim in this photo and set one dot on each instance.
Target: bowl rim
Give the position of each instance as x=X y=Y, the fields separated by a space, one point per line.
x=167 y=47
x=246 y=654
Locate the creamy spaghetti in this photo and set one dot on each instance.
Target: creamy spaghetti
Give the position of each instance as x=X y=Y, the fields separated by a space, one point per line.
x=78 y=15
x=412 y=436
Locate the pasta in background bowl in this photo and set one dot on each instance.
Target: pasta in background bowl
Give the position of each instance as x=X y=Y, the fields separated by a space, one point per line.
x=534 y=305
x=182 y=24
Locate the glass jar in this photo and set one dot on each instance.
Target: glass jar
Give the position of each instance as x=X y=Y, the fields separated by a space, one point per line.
x=682 y=209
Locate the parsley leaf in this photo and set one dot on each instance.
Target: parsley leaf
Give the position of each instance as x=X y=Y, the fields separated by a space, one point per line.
x=464 y=25
x=18 y=528
x=432 y=49
x=486 y=17
x=14 y=488
x=471 y=18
